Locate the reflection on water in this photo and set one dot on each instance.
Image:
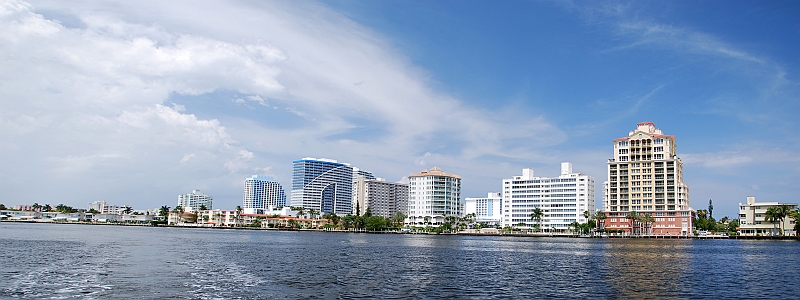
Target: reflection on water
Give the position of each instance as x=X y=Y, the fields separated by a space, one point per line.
x=645 y=269
x=102 y=262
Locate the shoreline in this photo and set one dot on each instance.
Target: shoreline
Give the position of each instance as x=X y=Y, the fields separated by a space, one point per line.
x=545 y=235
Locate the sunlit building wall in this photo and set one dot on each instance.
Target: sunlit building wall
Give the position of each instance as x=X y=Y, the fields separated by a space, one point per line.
x=646 y=176
x=752 y=218
x=194 y=200
x=433 y=195
x=562 y=199
x=487 y=210
x=382 y=198
x=262 y=193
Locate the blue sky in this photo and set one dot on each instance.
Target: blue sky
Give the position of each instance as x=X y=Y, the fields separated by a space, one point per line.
x=135 y=103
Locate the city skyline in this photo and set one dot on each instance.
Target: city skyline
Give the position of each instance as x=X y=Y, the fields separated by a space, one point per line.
x=138 y=102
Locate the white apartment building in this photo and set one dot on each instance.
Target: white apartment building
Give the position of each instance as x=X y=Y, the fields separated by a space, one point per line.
x=752 y=218
x=103 y=207
x=487 y=210
x=646 y=176
x=261 y=194
x=194 y=200
x=383 y=198
x=562 y=199
x=433 y=195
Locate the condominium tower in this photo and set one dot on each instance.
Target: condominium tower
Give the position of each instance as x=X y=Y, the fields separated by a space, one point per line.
x=562 y=200
x=646 y=176
x=382 y=198
x=262 y=193
x=194 y=200
x=325 y=185
x=433 y=195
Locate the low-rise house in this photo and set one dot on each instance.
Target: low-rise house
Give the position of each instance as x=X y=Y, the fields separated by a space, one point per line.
x=753 y=215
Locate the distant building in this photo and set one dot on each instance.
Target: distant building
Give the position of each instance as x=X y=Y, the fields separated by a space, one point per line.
x=487 y=210
x=646 y=176
x=752 y=218
x=195 y=200
x=433 y=195
x=325 y=185
x=262 y=193
x=103 y=207
x=562 y=199
x=382 y=198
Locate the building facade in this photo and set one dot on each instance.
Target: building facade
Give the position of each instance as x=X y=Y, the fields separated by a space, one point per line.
x=324 y=185
x=433 y=195
x=262 y=193
x=646 y=177
x=562 y=199
x=752 y=218
x=487 y=210
x=382 y=198
x=195 y=200
x=103 y=207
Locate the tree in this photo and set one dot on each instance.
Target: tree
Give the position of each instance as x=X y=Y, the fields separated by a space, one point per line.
x=47 y=207
x=313 y=212
x=772 y=215
x=93 y=211
x=36 y=206
x=127 y=210
x=648 y=221
x=203 y=207
x=398 y=218
x=164 y=211
x=238 y=215
x=710 y=208
x=375 y=223
x=536 y=216
x=2 y=206
x=633 y=216
x=783 y=211
x=795 y=214
x=600 y=216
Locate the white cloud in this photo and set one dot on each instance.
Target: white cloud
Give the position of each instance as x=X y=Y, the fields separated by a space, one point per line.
x=102 y=87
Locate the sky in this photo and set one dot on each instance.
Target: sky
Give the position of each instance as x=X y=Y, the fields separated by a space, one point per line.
x=135 y=102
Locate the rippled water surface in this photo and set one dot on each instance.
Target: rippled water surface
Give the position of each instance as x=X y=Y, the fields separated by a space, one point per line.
x=57 y=261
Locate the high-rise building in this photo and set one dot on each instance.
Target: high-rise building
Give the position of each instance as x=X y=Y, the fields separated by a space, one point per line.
x=382 y=198
x=562 y=200
x=262 y=193
x=646 y=177
x=105 y=208
x=194 y=200
x=324 y=184
x=487 y=210
x=433 y=196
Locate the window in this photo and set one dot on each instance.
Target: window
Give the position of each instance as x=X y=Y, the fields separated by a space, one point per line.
x=658 y=141
x=623 y=151
x=623 y=143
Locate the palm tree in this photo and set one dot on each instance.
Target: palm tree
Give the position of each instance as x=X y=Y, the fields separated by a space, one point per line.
x=633 y=216
x=164 y=212
x=47 y=207
x=536 y=216
x=772 y=215
x=783 y=212
x=795 y=214
x=599 y=216
x=238 y=215
x=203 y=207
x=36 y=206
x=127 y=210
x=648 y=221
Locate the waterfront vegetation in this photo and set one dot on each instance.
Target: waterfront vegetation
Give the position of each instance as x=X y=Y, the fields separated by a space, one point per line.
x=640 y=223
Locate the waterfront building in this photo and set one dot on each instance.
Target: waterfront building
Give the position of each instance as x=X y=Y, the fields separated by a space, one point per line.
x=752 y=218
x=194 y=200
x=103 y=207
x=325 y=185
x=487 y=210
x=382 y=198
x=562 y=200
x=433 y=195
x=646 y=177
x=262 y=193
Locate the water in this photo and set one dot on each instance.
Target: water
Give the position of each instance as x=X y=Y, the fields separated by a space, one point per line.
x=56 y=261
